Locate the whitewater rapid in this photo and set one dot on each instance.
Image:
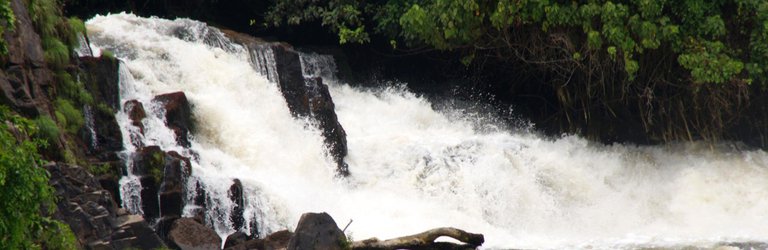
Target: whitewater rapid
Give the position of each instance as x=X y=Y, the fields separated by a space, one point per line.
x=414 y=167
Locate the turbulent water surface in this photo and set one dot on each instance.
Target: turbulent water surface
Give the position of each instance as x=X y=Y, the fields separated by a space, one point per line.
x=415 y=167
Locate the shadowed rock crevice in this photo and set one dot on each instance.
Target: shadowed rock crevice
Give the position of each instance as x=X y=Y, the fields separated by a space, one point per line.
x=92 y=214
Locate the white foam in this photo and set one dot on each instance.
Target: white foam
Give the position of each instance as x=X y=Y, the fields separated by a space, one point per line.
x=415 y=168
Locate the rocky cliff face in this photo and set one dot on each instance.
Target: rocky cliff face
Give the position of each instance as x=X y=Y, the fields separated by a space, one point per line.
x=93 y=215
x=23 y=72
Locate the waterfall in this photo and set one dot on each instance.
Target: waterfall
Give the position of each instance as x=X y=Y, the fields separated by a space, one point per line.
x=413 y=166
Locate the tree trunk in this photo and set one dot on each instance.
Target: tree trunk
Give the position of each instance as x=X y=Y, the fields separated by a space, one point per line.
x=425 y=240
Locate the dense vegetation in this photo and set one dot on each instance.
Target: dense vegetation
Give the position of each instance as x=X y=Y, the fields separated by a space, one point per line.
x=25 y=217
x=27 y=197
x=682 y=69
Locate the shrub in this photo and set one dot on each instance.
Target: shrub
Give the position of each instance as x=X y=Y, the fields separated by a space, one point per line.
x=107 y=54
x=8 y=21
x=48 y=130
x=45 y=15
x=56 y=53
x=25 y=191
x=57 y=235
x=75 y=28
x=72 y=89
x=73 y=116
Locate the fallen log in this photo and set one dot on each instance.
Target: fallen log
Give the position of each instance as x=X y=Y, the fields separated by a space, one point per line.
x=425 y=240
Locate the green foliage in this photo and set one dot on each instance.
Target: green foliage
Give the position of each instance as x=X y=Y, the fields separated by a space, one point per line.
x=49 y=131
x=56 y=53
x=45 y=15
x=77 y=28
x=341 y=16
x=25 y=191
x=156 y=166
x=73 y=117
x=23 y=186
x=104 y=108
x=57 y=235
x=7 y=22
x=705 y=35
x=108 y=54
x=681 y=69
x=102 y=169
x=73 y=89
x=346 y=242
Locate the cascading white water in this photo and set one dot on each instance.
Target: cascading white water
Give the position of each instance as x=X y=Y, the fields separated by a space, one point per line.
x=413 y=167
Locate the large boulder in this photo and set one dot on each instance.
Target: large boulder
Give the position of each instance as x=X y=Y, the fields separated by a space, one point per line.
x=178 y=115
x=188 y=234
x=317 y=231
x=93 y=216
x=309 y=97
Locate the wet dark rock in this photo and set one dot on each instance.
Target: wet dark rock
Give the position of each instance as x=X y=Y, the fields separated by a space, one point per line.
x=316 y=231
x=136 y=114
x=93 y=216
x=310 y=98
x=187 y=233
x=109 y=138
x=236 y=195
x=235 y=239
x=178 y=115
x=102 y=79
x=150 y=204
x=163 y=176
x=274 y=241
x=163 y=227
x=177 y=170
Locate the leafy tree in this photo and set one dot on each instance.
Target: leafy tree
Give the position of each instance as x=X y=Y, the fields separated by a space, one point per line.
x=669 y=60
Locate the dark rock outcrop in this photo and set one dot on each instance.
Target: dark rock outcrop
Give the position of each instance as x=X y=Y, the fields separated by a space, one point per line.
x=310 y=98
x=102 y=79
x=93 y=216
x=274 y=241
x=236 y=195
x=235 y=239
x=100 y=76
x=178 y=115
x=306 y=97
x=188 y=234
x=136 y=114
x=317 y=231
x=162 y=174
x=24 y=75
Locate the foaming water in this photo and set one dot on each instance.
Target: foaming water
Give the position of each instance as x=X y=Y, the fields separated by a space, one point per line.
x=413 y=167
